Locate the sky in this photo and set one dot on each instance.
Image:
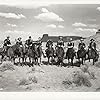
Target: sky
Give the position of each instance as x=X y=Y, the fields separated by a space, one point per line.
x=23 y=18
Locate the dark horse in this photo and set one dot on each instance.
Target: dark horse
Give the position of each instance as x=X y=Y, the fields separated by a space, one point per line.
x=32 y=54
x=92 y=54
x=81 y=54
x=2 y=53
x=59 y=52
x=13 y=52
x=49 y=53
x=40 y=53
x=70 y=54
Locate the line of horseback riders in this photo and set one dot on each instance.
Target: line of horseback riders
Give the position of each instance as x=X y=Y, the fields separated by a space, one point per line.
x=33 y=50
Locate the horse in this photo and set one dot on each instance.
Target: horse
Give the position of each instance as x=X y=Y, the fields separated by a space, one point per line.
x=59 y=53
x=14 y=52
x=40 y=53
x=70 y=54
x=92 y=54
x=50 y=53
x=24 y=51
x=2 y=53
x=34 y=53
x=81 y=54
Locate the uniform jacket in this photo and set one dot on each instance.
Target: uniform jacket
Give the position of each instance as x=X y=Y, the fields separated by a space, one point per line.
x=81 y=46
x=7 y=42
x=49 y=43
x=60 y=42
x=92 y=45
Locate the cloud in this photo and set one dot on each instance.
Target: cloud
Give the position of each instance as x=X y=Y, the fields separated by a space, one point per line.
x=48 y=16
x=27 y=4
x=52 y=26
x=98 y=8
x=55 y=26
x=12 y=15
x=85 y=30
x=60 y=26
x=44 y=10
x=78 y=24
x=93 y=25
x=92 y=20
x=12 y=25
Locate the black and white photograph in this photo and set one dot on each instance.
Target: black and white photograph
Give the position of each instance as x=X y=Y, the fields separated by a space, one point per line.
x=49 y=46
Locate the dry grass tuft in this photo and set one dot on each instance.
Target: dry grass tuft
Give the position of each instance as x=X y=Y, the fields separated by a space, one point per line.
x=77 y=78
x=7 y=65
x=27 y=81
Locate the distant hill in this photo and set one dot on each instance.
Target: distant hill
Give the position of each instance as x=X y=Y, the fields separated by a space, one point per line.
x=56 y=38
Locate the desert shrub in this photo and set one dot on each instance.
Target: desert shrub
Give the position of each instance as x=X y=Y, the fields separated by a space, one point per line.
x=84 y=68
x=27 y=81
x=80 y=78
x=7 y=65
x=67 y=83
x=97 y=64
x=23 y=82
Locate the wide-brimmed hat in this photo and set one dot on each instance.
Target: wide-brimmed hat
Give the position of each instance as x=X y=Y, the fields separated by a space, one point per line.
x=70 y=39
x=92 y=40
x=19 y=38
x=60 y=37
x=81 y=39
x=39 y=38
x=29 y=36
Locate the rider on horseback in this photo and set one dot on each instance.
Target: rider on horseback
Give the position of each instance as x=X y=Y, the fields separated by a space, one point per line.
x=60 y=41
x=39 y=42
x=29 y=42
x=70 y=44
x=70 y=47
x=92 y=46
x=49 y=42
x=81 y=45
x=6 y=43
x=19 y=42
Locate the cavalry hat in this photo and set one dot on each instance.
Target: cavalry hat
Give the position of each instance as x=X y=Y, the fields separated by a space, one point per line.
x=19 y=38
x=70 y=39
x=60 y=37
x=39 y=38
x=92 y=40
x=81 y=39
x=29 y=36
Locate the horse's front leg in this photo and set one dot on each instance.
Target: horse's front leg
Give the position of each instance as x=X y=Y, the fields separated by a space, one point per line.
x=25 y=60
x=19 y=60
x=79 y=62
x=30 y=60
x=93 y=61
x=2 y=57
x=68 y=63
x=14 y=60
x=48 y=60
x=72 y=61
x=82 y=61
